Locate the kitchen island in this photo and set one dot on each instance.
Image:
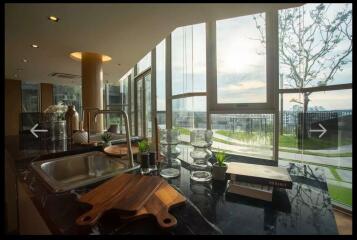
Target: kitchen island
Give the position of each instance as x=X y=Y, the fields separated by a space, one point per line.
x=305 y=209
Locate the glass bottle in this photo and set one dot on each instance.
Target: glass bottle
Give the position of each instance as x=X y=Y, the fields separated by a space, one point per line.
x=170 y=167
x=200 y=168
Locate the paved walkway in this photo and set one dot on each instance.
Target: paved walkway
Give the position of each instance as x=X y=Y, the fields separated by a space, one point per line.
x=340 y=184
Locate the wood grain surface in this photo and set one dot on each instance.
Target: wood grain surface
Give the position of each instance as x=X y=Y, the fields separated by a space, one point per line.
x=120 y=150
x=159 y=204
x=126 y=193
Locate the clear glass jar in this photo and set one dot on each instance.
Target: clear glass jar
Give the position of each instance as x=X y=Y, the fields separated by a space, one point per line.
x=170 y=167
x=200 y=168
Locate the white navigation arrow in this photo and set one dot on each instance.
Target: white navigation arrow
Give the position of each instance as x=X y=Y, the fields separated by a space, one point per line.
x=33 y=130
x=322 y=130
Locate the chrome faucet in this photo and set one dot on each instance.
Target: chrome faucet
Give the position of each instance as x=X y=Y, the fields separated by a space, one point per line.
x=127 y=129
x=126 y=122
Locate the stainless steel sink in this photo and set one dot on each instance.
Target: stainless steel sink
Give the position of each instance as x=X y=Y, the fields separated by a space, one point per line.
x=66 y=173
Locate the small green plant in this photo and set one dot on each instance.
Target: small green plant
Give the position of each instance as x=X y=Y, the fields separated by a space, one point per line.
x=220 y=158
x=106 y=137
x=144 y=146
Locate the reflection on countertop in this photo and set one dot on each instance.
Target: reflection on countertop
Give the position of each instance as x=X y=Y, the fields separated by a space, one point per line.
x=305 y=209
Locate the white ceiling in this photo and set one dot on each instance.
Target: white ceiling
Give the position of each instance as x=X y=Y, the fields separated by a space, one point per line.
x=126 y=32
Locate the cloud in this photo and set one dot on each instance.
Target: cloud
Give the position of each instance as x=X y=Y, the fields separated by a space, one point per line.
x=246 y=85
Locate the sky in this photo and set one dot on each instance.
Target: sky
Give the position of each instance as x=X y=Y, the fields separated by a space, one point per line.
x=241 y=71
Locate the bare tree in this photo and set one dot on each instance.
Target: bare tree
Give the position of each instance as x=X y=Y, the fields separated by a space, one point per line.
x=312 y=50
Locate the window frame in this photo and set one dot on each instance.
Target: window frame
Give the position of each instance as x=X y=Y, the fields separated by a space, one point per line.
x=271 y=77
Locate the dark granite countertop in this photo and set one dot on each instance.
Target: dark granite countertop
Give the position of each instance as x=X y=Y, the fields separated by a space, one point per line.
x=305 y=209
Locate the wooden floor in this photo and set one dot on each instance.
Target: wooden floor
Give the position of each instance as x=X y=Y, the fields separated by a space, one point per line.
x=344 y=222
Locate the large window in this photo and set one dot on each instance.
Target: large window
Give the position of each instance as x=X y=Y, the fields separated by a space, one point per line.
x=30 y=97
x=189 y=59
x=315 y=70
x=161 y=84
x=241 y=60
x=261 y=82
x=69 y=95
x=144 y=63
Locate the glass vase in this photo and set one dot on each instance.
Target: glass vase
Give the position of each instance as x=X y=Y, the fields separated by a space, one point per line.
x=200 y=168
x=170 y=167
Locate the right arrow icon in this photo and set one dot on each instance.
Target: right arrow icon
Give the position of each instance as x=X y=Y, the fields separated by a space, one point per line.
x=322 y=130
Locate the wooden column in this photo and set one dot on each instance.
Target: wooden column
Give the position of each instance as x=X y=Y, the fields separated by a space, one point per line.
x=92 y=87
x=46 y=95
x=12 y=106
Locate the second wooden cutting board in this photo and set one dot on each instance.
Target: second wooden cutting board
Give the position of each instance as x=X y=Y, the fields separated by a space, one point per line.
x=127 y=193
x=159 y=204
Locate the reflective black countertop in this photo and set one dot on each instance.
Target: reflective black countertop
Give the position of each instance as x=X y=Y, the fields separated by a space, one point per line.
x=305 y=209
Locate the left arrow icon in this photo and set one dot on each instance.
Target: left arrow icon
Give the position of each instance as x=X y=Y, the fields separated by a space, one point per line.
x=33 y=130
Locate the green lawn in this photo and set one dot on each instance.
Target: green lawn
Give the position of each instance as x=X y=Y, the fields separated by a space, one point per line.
x=288 y=141
x=183 y=131
x=310 y=143
x=244 y=136
x=346 y=154
x=284 y=140
x=340 y=194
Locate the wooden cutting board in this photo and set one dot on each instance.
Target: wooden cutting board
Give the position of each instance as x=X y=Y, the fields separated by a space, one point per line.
x=159 y=204
x=127 y=193
x=120 y=150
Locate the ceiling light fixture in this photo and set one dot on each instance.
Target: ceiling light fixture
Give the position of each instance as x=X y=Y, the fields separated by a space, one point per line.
x=53 y=18
x=34 y=45
x=78 y=56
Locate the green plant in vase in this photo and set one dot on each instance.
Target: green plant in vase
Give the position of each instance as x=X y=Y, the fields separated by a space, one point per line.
x=144 y=155
x=144 y=146
x=219 y=167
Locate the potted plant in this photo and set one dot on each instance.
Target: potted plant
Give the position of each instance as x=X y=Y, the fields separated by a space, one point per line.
x=220 y=167
x=106 y=137
x=144 y=155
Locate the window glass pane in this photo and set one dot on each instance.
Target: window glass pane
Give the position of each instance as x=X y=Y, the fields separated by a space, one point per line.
x=114 y=94
x=30 y=97
x=188 y=114
x=315 y=45
x=69 y=95
x=140 y=104
x=244 y=134
x=148 y=119
x=189 y=59
x=144 y=63
x=114 y=119
x=160 y=85
x=241 y=60
x=322 y=152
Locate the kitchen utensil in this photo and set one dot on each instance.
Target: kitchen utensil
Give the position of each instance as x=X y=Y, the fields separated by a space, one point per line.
x=120 y=150
x=127 y=193
x=158 y=205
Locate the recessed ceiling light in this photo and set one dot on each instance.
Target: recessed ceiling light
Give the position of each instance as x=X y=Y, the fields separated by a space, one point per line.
x=53 y=18
x=25 y=60
x=34 y=45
